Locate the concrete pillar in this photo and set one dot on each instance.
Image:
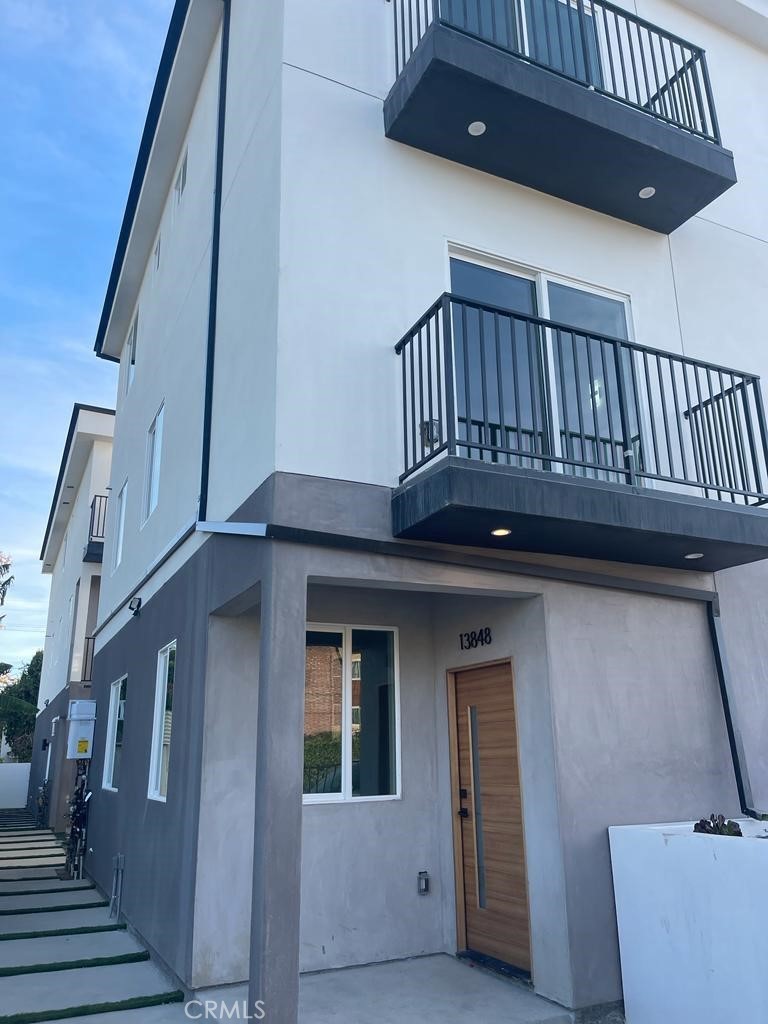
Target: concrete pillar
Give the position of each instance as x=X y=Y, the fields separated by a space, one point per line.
x=276 y=906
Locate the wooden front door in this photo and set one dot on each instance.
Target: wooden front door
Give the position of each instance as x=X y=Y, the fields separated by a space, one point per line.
x=491 y=882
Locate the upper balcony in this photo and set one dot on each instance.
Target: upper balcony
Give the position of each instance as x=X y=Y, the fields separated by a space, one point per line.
x=576 y=98
x=527 y=434
x=94 y=548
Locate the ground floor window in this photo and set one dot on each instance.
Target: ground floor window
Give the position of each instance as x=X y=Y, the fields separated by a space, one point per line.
x=161 y=735
x=350 y=713
x=115 y=726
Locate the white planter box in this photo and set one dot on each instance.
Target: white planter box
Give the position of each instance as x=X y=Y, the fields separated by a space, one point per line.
x=692 y=912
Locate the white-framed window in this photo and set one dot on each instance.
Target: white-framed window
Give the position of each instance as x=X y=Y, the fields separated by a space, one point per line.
x=122 y=498
x=156 y=252
x=351 y=714
x=154 y=455
x=115 y=724
x=161 y=730
x=568 y=401
x=181 y=178
x=130 y=352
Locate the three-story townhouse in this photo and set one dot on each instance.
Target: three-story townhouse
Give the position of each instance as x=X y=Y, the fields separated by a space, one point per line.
x=72 y=556
x=437 y=537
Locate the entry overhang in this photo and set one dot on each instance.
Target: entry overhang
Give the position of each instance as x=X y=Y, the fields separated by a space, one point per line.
x=460 y=501
x=551 y=133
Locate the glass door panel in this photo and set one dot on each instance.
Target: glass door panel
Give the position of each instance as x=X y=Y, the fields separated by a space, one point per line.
x=492 y=20
x=588 y=378
x=564 y=38
x=499 y=366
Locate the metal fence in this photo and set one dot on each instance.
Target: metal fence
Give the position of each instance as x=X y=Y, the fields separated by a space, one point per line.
x=502 y=387
x=593 y=42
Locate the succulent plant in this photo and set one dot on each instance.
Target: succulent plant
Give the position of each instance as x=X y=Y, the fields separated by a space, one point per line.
x=717 y=825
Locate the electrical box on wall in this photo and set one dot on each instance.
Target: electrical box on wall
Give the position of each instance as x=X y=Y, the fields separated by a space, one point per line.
x=81 y=723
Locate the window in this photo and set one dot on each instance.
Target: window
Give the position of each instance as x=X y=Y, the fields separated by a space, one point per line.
x=565 y=398
x=130 y=350
x=115 y=725
x=156 y=253
x=161 y=733
x=154 y=452
x=181 y=179
x=351 y=745
x=120 y=525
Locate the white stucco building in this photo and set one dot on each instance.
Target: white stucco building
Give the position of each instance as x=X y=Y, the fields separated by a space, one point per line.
x=504 y=559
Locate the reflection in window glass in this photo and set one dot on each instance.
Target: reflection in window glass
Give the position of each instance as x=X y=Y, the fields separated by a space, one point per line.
x=323 y=713
x=116 y=724
x=161 y=741
x=373 y=693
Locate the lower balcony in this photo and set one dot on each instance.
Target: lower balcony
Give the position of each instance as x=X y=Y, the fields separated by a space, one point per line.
x=525 y=434
x=580 y=99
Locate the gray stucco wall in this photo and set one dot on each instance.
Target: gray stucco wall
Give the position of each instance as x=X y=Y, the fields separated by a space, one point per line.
x=159 y=840
x=56 y=708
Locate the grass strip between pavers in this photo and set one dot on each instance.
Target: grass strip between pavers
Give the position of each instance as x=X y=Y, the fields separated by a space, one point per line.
x=50 y=932
x=72 y=965
x=137 y=1003
x=46 y=892
x=55 y=910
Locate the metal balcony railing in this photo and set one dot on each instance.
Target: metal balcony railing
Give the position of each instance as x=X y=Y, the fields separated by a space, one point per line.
x=89 y=647
x=593 y=42
x=97 y=528
x=506 y=388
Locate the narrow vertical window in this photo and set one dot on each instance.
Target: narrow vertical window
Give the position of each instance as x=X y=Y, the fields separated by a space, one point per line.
x=120 y=525
x=181 y=179
x=161 y=733
x=130 y=346
x=154 y=453
x=115 y=725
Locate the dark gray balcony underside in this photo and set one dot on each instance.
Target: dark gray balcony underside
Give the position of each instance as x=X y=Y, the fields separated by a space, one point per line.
x=551 y=134
x=459 y=501
x=94 y=551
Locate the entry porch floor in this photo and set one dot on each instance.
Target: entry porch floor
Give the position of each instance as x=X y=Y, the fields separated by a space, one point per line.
x=426 y=990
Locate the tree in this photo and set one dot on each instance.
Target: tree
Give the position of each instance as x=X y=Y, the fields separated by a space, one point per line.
x=5 y=579
x=18 y=709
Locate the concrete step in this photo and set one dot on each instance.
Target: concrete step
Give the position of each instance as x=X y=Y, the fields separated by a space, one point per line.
x=16 y=874
x=61 y=992
x=40 y=901
x=170 y=1013
x=26 y=833
x=42 y=885
x=54 y=921
x=19 y=843
x=30 y=863
x=32 y=858
x=22 y=954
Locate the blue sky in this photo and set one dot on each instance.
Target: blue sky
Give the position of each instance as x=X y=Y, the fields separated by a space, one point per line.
x=75 y=77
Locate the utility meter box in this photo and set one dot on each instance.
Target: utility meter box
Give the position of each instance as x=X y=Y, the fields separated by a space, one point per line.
x=81 y=723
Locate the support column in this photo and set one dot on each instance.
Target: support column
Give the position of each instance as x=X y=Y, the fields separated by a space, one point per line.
x=274 y=975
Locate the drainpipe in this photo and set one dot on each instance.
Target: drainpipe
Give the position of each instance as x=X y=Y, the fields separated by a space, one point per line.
x=735 y=742
x=213 y=294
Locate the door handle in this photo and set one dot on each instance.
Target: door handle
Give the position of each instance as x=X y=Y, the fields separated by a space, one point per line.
x=463 y=812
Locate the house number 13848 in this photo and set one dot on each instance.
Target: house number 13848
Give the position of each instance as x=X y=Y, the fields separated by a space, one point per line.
x=479 y=638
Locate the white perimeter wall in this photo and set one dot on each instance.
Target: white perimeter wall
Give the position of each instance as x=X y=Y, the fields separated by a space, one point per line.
x=14 y=782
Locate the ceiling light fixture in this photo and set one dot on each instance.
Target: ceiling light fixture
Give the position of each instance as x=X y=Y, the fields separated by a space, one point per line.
x=695 y=556
x=648 y=192
x=502 y=531
x=477 y=128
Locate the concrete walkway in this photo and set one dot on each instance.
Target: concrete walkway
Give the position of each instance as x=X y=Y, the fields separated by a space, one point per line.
x=61 y=955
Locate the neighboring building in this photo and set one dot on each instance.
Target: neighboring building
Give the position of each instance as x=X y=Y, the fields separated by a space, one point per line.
x=71 y=555
x=512 y=552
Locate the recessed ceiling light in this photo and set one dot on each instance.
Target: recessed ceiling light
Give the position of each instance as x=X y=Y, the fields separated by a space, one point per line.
x=695 y=556
x=648 y=192
x=477 y=128
x=502 y=531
